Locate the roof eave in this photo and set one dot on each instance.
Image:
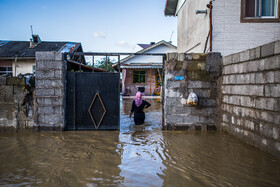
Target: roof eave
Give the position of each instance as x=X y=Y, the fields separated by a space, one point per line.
x=18 y=58
x=170 y=7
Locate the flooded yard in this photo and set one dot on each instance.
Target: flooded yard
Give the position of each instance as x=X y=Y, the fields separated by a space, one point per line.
x=135 y=156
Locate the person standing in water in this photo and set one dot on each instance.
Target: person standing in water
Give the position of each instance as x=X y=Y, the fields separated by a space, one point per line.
x=138 y=106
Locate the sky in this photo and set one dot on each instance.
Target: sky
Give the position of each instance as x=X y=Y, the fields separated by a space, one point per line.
x=100 y=25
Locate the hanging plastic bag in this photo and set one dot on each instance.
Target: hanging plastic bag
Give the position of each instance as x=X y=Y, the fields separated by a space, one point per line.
x=192 y=99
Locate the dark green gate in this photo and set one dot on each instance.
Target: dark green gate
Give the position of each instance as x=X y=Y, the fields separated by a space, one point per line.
x=92 y=101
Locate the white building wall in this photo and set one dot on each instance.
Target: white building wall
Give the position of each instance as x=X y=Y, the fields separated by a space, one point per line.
x=23 y=67
x=192 y=28
x=152 y=59
x=231 y=36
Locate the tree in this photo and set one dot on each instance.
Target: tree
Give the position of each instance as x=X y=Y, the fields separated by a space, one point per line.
x=106 y=63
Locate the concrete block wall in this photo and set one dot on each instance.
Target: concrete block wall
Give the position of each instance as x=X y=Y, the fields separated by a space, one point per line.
x=16 y=104
x=250 y=96
x=200 y=73
x=49 y=93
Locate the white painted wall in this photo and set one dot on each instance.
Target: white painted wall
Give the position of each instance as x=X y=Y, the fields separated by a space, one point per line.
x=22 y=66
x=152 y=59
x=230 y=36
x=192 y=28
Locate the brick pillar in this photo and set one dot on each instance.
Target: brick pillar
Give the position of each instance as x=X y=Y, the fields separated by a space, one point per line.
x=185 y=73
x=49 y=91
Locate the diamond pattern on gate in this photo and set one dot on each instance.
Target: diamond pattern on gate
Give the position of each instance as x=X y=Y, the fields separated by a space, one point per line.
x=97 y=110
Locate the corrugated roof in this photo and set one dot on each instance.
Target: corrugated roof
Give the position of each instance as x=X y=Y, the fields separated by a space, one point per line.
x=22 y=48
x=170 y=7
x=142 y=67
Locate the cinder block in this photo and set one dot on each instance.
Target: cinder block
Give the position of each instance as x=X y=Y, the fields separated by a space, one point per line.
x=49 y=109
x=53 y=119
x=255 y=65
x=200 y=84
x=172 y=56
x=272 y=90
x=277 y=76
x=175 y=119
x=202 y=93
x=267 y=104
x=242 y=79
x=207 y=102
x=173 y=84
x=190 y=119
x=171 y=93
x=272 y=117
x=49 y=65
x=58 y=74
x=249 y=125
x=49 y=101
x=272 y=63
x=276 y=133
x=277 y=47
x=188 y=56
x=45 y=74
x=227 y=60
x=53 y=83
x=196 y=66
x=247 y=112
x=44 y=92
x=266 y=130
x=245 y=55
x=235 y=100
x=15 y=81
x=265 y=77
x=267 y=49
x=6 y=94
x=236 y=58
x=199 y=56
x=2 y=81
x=198 y=75
x=181 y=57
x=255 y=53
x=247 y=101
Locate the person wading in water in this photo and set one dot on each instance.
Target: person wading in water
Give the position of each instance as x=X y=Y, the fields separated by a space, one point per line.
x=138 y=106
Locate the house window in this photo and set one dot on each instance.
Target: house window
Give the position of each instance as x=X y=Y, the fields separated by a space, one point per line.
x=6 y=70
x=139 y=77
x=260 y=11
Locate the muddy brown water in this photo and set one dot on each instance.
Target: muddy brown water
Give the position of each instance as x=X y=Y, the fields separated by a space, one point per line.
x=135 y=156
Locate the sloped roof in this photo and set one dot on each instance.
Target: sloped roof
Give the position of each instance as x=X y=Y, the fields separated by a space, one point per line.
x=149 y=48
x=11 y=49
x=170 y=7
x=144 y=46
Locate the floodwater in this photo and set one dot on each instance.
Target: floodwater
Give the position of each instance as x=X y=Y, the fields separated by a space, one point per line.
x=136 y=156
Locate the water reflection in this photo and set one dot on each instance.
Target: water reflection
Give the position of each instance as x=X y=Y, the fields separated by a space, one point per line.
x=136 y=156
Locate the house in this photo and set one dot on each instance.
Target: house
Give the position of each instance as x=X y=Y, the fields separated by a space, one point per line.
x=226 y=26
x=18 y=57
x=142 y=72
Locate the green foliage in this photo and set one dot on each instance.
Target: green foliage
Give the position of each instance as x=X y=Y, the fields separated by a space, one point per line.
x=106 y=64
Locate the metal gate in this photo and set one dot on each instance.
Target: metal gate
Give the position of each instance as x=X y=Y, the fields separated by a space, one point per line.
x=92 y=101
x=93 y=98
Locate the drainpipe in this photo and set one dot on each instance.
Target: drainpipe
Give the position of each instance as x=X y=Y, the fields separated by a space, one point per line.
x=210 y=6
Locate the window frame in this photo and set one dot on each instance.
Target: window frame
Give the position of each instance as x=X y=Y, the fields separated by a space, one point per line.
x=134 y=71
x=7 y=71
x=265 y=19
